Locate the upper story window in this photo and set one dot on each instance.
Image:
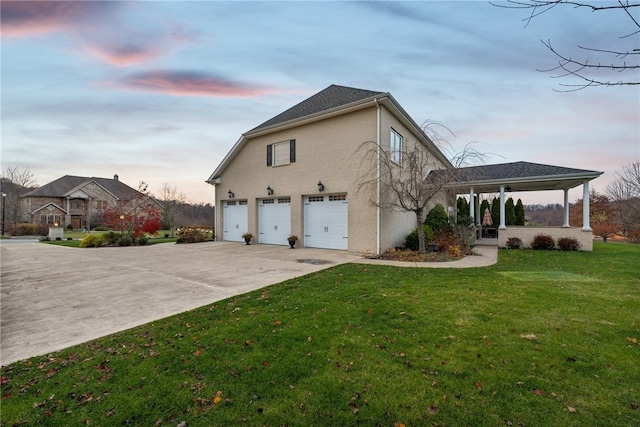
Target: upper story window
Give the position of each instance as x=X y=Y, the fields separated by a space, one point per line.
x=396 y=147
x=281 y=153
x=77 y=204
x=102 y=204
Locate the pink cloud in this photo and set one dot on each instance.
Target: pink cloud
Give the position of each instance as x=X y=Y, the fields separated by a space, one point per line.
x=122 y=56
x=191 y=84
x=32 y=18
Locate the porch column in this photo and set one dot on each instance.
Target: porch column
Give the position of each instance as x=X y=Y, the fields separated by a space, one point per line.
x=472 y=205
x=479 y=215
x=566 y=208
x=585 y=207
x=67 y=216
x=502 y=215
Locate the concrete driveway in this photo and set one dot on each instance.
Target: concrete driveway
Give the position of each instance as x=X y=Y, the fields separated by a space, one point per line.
x=54 y=297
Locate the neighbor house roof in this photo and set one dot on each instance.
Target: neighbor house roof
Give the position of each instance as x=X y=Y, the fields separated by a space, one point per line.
x=61 y=187
x=519 y=176
x=331 y=101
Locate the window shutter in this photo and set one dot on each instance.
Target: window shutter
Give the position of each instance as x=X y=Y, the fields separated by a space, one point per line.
x=292 y=151
x=269 y=156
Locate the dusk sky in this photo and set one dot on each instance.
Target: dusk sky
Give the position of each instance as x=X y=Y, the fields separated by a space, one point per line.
x=161 y=90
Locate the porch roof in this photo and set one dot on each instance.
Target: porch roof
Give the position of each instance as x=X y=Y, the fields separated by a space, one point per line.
x=519 y=176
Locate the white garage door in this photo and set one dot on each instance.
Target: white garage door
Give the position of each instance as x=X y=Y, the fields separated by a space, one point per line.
x=325 y=222
x=274 y=220
x=235 y=220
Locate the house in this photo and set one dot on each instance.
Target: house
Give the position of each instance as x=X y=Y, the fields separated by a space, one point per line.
x=301 y=173
x=76 y=200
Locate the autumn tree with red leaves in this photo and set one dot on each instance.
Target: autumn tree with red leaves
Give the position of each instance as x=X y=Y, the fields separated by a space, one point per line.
x=135 y=217
x=602 y=215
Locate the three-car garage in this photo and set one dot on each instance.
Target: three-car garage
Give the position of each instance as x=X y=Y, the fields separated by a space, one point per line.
x=325 y=221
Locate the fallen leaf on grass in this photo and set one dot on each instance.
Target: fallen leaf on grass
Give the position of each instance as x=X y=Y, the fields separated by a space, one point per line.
x=571 y=409
x=110 y=412
x=538 y=392
x=433 y=409
x=632 y=340
x=354 y=407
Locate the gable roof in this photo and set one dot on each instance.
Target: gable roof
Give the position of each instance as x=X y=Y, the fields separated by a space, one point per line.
x=332 y=97
x=64 y=185
x=520 y=176
x=333 y=100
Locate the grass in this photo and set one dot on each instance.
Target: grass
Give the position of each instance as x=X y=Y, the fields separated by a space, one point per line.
x=541 y=338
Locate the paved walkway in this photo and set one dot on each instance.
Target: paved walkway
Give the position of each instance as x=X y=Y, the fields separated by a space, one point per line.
x=53 y=297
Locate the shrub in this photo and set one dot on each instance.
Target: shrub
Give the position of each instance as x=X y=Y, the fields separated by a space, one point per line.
x=634 y=237
x=111 y=237
x=514 y=243
x=23 y=230
x=125 y=241
x=69 y=227
x=411 y=241
x=568 y=244
x=451 y=244
x=543 y=242
x=41 y=230
x=191 y=235
x=101 y=228
x=437 y=219
x=143 y=240
x=92 y=241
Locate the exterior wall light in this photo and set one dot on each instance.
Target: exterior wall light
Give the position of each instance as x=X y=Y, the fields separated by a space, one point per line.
x=269 y=190
x=320 y=186
x=230 y=194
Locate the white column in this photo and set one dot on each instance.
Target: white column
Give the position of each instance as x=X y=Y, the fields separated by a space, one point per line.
x=566 y=208
x=472 y=205
x=502 y=215
x=585 y=207
x=479 y=215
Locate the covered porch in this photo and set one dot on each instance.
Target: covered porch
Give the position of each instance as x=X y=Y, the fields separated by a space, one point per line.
x=521 y=177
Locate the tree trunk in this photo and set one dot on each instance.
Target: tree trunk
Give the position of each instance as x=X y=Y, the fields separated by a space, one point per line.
x=422 y=247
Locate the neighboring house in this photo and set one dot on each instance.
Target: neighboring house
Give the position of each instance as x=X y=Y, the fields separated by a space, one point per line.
x=300 y=173
x=77 y=200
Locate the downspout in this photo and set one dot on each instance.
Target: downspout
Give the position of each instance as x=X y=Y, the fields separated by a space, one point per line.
x=378 y=213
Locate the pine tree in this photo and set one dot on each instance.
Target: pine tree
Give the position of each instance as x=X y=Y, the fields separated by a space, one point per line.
x=509 y=212
x=495 y=212
x=519 y=213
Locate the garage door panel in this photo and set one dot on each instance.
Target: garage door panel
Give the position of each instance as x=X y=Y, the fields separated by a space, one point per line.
x=274 y=220
x=235 y=220
x=325 y=222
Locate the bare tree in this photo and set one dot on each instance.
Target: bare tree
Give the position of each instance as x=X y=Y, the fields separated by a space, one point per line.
x=625 y=192
x=171 y=201
x=589 y=73
x=412 y=177
x=15 y=182
x=22 y=177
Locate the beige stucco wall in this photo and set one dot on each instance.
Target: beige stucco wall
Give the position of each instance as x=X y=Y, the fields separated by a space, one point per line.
x=329 y=151
x=527 y=234
x=396 y=224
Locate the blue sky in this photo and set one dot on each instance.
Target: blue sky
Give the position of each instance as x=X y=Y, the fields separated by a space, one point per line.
x=161 y=90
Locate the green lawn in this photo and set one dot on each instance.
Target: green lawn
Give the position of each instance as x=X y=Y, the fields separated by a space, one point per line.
x=540 y=339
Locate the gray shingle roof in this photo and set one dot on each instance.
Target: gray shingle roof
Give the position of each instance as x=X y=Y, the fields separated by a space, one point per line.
x=515 y=170
x=516 y=176
x=61 y=186
x=331 y=97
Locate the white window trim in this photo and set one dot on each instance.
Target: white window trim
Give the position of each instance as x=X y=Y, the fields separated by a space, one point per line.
x=395 y=146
